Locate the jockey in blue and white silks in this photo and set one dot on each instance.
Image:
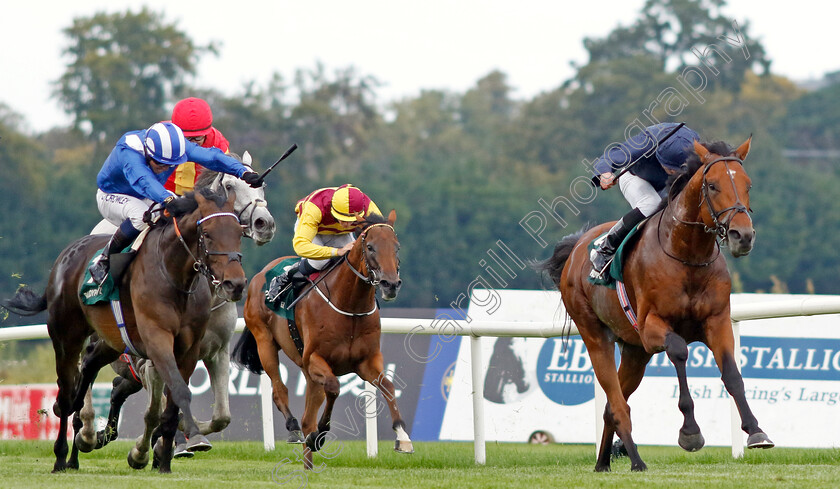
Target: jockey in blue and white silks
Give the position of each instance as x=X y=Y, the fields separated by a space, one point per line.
x=133 y=177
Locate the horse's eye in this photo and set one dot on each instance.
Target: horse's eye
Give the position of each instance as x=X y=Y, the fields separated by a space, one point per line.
x=370 y=248
x=229 y=186
x=713 y=187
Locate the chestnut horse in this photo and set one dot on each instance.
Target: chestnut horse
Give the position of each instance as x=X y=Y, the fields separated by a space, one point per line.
x=165 y=304
x=338 y=321
x=679 y=287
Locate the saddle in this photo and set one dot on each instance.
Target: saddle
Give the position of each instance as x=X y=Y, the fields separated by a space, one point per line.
x=91 y=293
x=614 y=272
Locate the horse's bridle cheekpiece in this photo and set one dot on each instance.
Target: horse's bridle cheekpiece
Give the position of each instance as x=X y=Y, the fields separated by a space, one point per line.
x=200 y=265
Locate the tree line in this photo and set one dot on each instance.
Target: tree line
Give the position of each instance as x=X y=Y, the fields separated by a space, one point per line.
x=462 y=169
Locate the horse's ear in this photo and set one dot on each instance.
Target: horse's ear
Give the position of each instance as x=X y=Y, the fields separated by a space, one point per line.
x=392 y=217
x=701 y=151
x=246 y=158
x=744 y=149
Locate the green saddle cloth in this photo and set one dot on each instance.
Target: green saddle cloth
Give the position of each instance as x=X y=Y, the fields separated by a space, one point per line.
x=280 y=307
x=616 y=267
x=91 y=293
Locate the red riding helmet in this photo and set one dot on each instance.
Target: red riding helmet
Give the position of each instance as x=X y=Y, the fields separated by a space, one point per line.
x=193 y=116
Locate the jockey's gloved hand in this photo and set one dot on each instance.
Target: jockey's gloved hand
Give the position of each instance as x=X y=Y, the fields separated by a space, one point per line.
x=253 y=179
x=168 y=203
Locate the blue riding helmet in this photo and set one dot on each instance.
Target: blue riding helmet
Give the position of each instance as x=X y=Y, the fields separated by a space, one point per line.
x=165 y=143
x=673 y=152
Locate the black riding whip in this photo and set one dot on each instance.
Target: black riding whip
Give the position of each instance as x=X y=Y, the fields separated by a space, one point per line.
x=285 y=155
x=673 y=131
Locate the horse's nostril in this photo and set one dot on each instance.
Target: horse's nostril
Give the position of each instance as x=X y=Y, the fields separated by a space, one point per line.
x=734 y=235
x=259 y=223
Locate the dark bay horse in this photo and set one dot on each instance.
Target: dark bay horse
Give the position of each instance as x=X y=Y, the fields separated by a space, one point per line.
x=679 y=287
x=165 y=304
x=258 y=224
x=340 y=327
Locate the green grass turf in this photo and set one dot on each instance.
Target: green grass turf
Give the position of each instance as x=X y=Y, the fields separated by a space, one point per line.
x=231 y=465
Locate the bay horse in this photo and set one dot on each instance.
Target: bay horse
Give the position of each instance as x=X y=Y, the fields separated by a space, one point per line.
x=257 y=223
x=165 y=307
x=339 y=324
x=678 y=285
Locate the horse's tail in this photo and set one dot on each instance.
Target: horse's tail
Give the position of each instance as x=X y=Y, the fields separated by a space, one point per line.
x=25 y=302
x=245 y=353
x=553 y=266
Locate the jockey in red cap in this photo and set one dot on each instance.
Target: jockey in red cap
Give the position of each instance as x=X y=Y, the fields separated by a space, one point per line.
x=194 y=117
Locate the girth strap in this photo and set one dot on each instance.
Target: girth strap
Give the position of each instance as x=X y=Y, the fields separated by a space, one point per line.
x=116 y=308
x=624 y=300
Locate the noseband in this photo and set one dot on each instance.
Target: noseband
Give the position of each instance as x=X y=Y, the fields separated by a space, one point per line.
x=247 y=229
x=200 y=265
x=721 y=228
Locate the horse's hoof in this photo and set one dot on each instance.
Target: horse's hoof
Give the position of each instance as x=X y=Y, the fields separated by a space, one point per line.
x=182 y=452
x=639 y=467
x=295 y=436
x=137 y=464
x=315 y=440
x=759 y=440
x=82 y=444
x=403 y=447
x=691 y=443
x=198 y=443
x=602 y=468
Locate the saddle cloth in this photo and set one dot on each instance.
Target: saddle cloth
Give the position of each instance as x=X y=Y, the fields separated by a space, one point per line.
x=91 y=293
x=616 y=267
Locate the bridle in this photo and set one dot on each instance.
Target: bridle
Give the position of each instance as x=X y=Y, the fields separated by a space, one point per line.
x=199 y=264
x=374 y=275
x=721 y=226
x=371 y=278
x=250 y=207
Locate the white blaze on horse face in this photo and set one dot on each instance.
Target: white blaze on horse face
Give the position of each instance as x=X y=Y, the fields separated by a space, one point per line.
x=732 y=172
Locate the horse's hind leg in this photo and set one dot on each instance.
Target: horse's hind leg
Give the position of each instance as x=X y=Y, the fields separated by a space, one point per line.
x=371 y=371
x=121 y=389
x=268 y=353
x=138 y=456
x=98 y=354
x=720 y=340
x=67 y=348
x=690 y=438
x=218 y=369
x=168 y=426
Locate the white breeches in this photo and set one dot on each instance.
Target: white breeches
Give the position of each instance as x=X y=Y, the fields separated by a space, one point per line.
x=116 y=208
x=639 y=193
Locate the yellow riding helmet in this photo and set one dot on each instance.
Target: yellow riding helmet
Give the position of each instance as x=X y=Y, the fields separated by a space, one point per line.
x=348 y=204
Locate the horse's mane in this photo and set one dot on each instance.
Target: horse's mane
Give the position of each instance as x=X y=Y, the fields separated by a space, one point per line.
x=678 y=181
x=207 y=175
x=187 y=203
x=372 y=219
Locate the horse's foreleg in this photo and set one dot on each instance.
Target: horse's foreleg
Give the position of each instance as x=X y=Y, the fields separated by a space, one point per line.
x=371 y=371
x=85 y=439
x=168 y=426
x=719 y=339
x=138 y=457
x=634 y=359
x=690 y=438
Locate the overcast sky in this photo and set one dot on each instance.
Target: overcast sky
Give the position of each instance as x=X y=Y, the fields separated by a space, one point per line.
x=406 y=45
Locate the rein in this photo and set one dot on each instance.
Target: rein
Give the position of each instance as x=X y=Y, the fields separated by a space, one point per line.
x=198 y=264
x=373 y=280
x=721 y=228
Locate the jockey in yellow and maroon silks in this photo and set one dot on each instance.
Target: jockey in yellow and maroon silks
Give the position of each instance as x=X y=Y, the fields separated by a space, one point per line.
x=323 y=230
x=194 y=117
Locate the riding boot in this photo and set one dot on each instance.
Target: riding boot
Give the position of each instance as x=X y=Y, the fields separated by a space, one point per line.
x=602 y=255
x=122 y=238
x=294 y=274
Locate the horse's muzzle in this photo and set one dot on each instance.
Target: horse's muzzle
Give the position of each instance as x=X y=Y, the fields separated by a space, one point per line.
x=232 y=289
x=390 y=289
x=740 y=241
